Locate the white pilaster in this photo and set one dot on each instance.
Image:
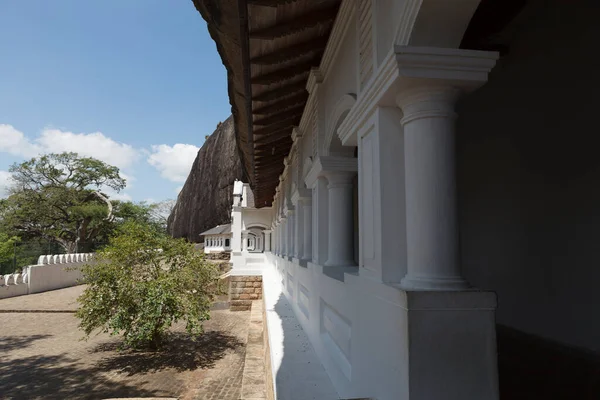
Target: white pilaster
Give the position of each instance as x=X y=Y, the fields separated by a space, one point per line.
x=307 y=230
x=284 y=225
x=267 y=246
x=290 y=232
x=341 y=229
x=320 y=221
x=298 y=230
x=245 y=241
x=236 y=229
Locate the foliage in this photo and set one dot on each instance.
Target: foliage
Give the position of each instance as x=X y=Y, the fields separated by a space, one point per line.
x=142 y=283
x=7 y=246
x=58 y=198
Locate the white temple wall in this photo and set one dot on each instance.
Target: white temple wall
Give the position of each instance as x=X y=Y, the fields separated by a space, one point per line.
x=528 y=173
x=343 y=82
x=361 y=321
x=256 y=217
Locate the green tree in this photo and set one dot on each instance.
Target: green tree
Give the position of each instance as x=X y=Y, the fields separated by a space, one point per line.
x=7 y=253
x=142 y=283
x=59 y=198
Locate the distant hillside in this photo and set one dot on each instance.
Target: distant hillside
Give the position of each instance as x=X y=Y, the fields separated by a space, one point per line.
x=206 y=198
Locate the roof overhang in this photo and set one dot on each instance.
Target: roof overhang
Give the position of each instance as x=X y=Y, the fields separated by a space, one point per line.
x=268 y=48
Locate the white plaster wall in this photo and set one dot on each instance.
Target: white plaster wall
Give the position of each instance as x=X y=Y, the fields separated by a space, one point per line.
x=51 y=272
x=256 y=217
x=10 y=288
x=386 y=23
x=528 y=173
x=55 y=276
x=343 y=81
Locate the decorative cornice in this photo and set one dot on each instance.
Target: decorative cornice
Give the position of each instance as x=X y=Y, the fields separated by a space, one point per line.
x=408 y=66
x=296 y=134
x=300 y=195
x=314 y=78
x=340 y=26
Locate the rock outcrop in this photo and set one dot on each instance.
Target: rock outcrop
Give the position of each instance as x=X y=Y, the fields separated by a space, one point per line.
x=206 y=198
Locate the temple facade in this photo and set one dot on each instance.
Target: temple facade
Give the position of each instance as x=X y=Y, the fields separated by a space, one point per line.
x=423 y=192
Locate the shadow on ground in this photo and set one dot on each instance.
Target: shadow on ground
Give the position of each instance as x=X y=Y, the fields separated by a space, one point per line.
x=66 y=377
x=180 y=352
x=58 y=377
x=9 y=343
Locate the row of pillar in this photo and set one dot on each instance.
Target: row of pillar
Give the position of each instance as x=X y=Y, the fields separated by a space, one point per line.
x=430 y=195
x=327 y=237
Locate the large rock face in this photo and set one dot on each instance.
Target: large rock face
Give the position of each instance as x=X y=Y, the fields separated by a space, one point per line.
x=206 y=198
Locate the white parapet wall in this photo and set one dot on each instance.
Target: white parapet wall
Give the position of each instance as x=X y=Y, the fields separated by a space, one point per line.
x=51 y=272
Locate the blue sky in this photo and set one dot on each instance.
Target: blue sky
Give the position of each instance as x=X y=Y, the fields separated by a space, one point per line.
x=136 y=83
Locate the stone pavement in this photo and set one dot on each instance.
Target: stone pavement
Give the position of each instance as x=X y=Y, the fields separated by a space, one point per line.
x=42 y=356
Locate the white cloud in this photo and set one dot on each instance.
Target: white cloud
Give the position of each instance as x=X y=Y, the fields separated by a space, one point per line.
x=95 y=145
x=5 y=181
x=173 y=162
x=14 y=142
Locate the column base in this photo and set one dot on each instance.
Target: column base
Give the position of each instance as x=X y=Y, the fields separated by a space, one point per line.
x=343 y=263
x=433 y=283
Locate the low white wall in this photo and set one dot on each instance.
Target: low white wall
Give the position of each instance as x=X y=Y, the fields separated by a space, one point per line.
x=355 y=330
x=245 y=263
x=12 y=285
x=51 y=272
x=378 y=341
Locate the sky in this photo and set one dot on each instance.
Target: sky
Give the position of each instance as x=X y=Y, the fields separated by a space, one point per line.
x=135 y=83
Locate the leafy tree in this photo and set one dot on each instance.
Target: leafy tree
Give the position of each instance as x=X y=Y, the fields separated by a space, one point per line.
x=142 y=283
x=7 y=253
x=58 y=197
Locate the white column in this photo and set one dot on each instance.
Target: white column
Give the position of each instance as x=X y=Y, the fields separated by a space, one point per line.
x=307 y=230
x=245 y=241
x=320 y=221
x=236 y=230
x=267 y=240
x=284 y=224
x=431 y=215
x=291 y=232
x=280 y=238
x=298 y=230
x=341 y=227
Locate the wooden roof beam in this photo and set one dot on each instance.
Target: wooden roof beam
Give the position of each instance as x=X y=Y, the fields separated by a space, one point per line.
x=282 y=91
x=313 y=45
x=278 y=126
x=272 y=138
x=299 y=23
x=283 y=104
x=274 y=118
x=277 y=149
x=269 y=3
x=285 y=73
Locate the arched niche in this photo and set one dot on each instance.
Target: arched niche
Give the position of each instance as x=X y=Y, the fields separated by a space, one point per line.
x=332 y=144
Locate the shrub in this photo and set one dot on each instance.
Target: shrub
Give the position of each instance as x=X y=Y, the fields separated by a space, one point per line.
x=142 y=283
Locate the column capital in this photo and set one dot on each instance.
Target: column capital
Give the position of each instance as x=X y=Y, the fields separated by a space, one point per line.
x=427 y=101
x=268 y=231
x=412 y=66
x=323 y=165
x=337 y=179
